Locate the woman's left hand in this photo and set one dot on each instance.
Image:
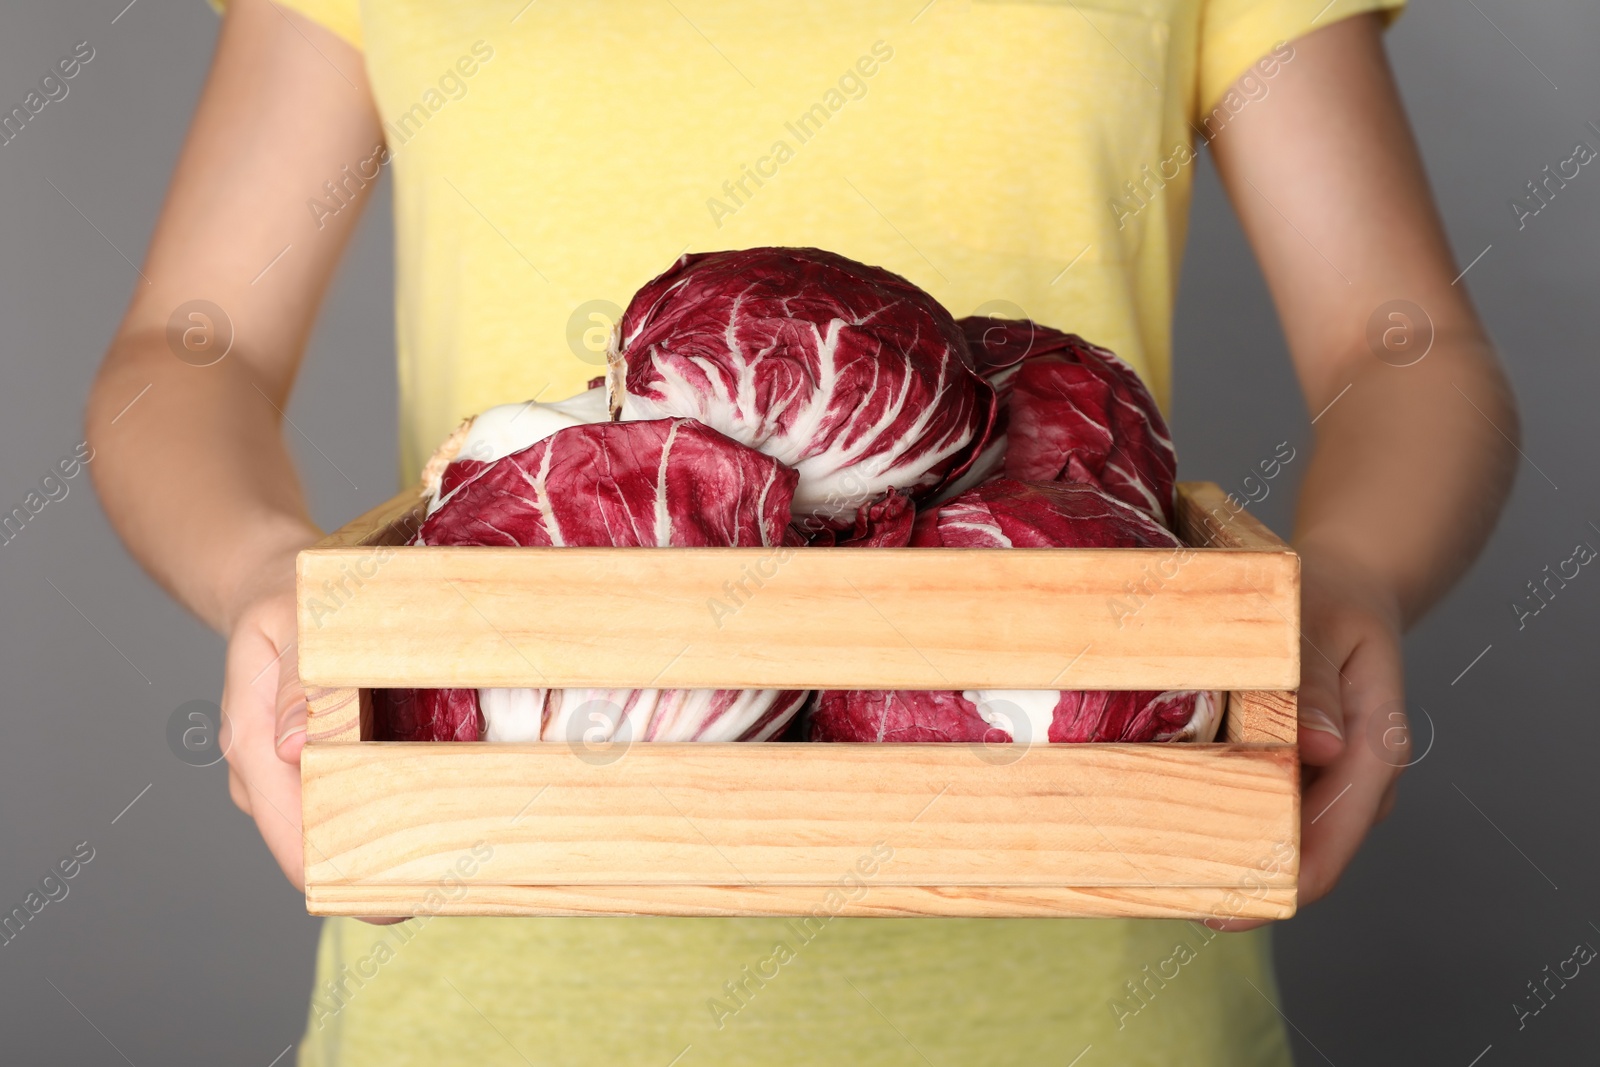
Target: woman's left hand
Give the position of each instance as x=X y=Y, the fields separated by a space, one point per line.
x=1354 y=737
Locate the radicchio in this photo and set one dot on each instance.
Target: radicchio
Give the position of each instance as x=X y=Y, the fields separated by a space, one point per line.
x=425 y=715
x=502 y=430
x=591 y=716
x=883 y=523
x=792 y=396
x=850 y=374
x=1006 y=513
x=1026 y=716
x=661 y=483
x=1068 y=410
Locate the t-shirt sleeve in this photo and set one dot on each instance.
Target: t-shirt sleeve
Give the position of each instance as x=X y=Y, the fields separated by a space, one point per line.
x=343 y=17
x=1236 y=33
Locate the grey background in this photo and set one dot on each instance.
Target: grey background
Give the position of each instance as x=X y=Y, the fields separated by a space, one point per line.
x=180 y=942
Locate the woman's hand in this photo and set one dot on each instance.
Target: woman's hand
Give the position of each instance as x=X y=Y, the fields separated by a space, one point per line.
x=1414 y=456
x=264 y=715
x=1354 y=740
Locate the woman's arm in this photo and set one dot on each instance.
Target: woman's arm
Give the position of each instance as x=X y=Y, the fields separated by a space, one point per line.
x=190 y=460
x=195 y=475
x=1412 y=464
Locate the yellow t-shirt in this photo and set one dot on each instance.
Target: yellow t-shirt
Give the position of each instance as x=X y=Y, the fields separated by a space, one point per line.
x=1030 y=157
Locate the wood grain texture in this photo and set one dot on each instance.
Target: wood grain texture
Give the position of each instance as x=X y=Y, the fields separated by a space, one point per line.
x=775 y=814
x=372 y=614
x=390 y=523
x=877 y=901
x=911 y=618
x=1262 y=717
x=706 y=829
x=337 y=715
x=1207 y=517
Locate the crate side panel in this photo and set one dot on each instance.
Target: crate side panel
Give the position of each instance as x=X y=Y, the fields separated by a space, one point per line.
x=891 y=618
x=706 y=814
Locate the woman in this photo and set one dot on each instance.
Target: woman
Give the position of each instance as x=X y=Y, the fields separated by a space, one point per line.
x=549 y=160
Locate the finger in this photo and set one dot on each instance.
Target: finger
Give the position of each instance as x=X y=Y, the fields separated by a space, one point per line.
x=261 y=784
x=267 y=788
x=1322 y=733
x=272 y=786
x=243 y=705
x=1341 y=806
x=275 y=801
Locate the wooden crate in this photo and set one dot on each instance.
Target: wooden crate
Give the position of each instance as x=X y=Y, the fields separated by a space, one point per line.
x=1151 y=830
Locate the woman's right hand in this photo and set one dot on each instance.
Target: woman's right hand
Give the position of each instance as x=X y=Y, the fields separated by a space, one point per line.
x=264 y=716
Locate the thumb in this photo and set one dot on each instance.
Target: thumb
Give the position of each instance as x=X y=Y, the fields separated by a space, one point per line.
x=1322 y=719
x=290 y=732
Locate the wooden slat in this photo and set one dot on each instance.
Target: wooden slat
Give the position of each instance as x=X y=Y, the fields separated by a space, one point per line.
x=1210 y=518
x=774 y=814
x=887 y=901
x=390 y=523
x=1262 y=717
x=912 y=618
x=751 y=618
